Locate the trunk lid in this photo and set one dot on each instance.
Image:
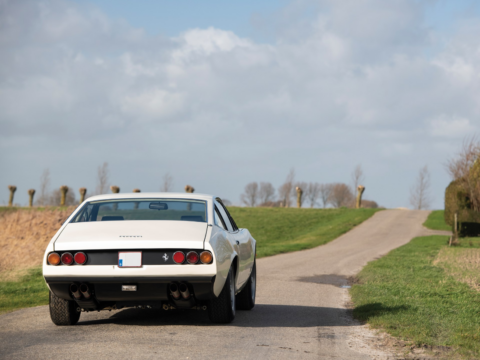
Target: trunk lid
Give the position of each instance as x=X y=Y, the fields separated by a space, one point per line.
x=148 y=234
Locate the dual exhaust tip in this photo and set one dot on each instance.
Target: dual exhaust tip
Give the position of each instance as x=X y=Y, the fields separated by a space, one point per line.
x=176 y=290
x=79 y=291
x=179 y=291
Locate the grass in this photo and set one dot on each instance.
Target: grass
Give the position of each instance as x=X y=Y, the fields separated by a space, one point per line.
x=280 y=230
x=20 y=289
x=462 y=263
x=436 y=221
x=410 y=297
x=276 y=230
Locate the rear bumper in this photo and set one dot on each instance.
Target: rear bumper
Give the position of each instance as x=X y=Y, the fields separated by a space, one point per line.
x=149 y=289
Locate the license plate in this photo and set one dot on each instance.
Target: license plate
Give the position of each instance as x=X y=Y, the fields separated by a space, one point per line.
x=128 y=259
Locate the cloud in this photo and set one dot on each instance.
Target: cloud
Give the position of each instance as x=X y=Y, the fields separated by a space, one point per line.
x=445 y=126
x=321 y=93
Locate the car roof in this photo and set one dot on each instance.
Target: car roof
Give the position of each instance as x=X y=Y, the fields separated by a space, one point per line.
x=163 y=195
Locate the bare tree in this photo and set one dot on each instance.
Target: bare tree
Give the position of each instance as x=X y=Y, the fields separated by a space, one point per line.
x=250 y=197
x=102 y=179
x=285 y=190
x=420 y=191
x=167 y=184
x=266 y=193
x=341 y=195
x=312 y=193
x=44 y=193
x=357 y=177
x=461 y=168
x=325 y=193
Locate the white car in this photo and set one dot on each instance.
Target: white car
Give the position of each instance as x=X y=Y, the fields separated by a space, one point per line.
x=147 y=250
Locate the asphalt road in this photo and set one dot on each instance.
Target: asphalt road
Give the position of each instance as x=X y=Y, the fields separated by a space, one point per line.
x=300 y=313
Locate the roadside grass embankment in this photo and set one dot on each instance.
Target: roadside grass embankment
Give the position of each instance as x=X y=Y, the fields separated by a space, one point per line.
x=25 y=233
x=281 y=230
x=436 y=221
x=22 y=288
x=425 y=294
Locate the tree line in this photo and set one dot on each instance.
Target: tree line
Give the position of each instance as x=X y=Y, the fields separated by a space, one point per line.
x=65 y=196
x=308 y=194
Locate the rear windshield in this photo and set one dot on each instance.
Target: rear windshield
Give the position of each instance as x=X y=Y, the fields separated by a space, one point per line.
x=143 y=209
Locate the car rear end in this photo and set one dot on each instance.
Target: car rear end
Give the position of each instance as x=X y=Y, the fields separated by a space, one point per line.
x=133 y=252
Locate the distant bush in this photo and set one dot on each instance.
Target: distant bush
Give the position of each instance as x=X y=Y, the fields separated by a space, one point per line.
x=462 y=196
x=369 y=204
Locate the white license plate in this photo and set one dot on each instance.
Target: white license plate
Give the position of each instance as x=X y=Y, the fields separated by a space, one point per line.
x=129 y=259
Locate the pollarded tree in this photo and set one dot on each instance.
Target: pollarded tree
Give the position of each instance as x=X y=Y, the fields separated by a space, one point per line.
x=303 y=186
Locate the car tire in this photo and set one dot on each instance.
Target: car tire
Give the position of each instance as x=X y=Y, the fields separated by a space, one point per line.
x=63 y=312
x=246 y=298
x=222 y=309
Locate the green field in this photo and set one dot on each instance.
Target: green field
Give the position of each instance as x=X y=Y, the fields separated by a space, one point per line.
x=411 y=297
x=280 y=230
x=22 y=290
x=277 y=230
x=436 y=221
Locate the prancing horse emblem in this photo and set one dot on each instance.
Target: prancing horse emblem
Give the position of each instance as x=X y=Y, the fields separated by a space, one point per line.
x=165 y=256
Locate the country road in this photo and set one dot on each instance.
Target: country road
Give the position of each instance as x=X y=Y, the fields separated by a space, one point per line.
x=300 y=313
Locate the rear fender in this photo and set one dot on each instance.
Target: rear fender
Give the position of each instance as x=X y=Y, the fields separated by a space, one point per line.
x=225 y=255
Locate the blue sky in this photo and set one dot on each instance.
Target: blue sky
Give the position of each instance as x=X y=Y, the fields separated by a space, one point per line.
x=173 y=17
x=220 y=93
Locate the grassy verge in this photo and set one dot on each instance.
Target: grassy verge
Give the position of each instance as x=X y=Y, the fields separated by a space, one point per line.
x=280 y=230
x=20 y=289
x=436 y=221
x=410 y=297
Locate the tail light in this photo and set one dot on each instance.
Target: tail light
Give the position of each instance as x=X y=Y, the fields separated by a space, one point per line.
x=80 y=258
x=206 y=257
x=53 y=258
x=192 y=257
x=179 y=257
x=67 y=258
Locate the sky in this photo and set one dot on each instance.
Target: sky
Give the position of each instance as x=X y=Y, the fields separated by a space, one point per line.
x=219 y=94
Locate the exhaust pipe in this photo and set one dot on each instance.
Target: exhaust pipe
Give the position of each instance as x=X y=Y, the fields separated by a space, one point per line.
x=84 y=289
x=184 y=290
x=75 y=291
x=174 y=291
